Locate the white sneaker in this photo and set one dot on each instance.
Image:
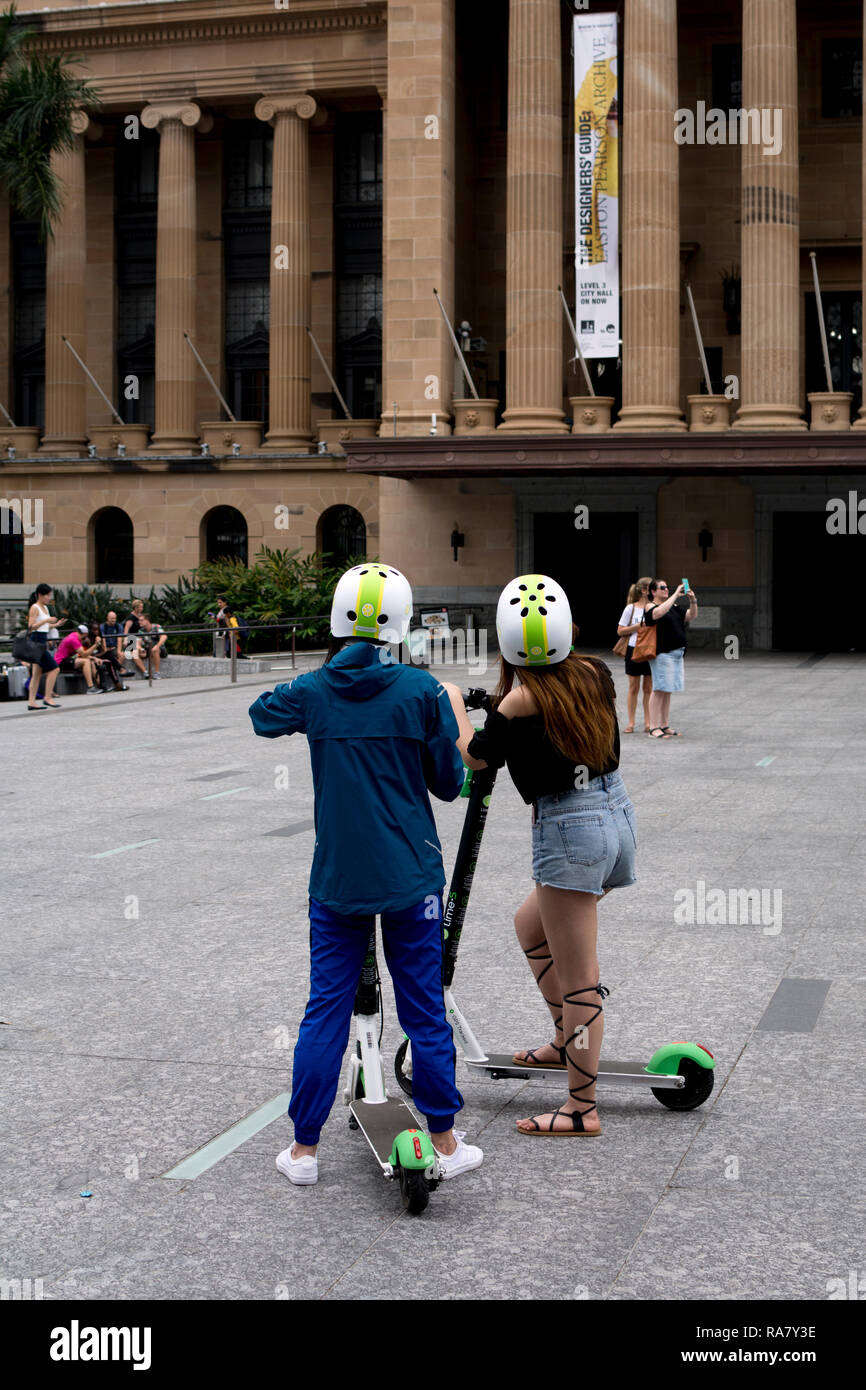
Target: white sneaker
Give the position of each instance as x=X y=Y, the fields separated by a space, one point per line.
x=301 y=1171
x=464 y=1158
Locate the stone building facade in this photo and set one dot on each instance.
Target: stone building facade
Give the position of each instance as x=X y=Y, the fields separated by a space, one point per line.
x=266 y=181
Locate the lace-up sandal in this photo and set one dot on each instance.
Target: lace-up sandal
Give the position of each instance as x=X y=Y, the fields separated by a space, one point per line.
x=531 y=1059
x=576 y=1117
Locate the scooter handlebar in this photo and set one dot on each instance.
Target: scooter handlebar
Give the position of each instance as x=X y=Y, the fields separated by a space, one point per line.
x=477 y=698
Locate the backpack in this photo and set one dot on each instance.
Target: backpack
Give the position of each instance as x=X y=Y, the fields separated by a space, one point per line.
x=243 y=630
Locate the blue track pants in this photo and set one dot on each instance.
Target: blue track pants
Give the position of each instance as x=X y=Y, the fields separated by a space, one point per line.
x=412 y=940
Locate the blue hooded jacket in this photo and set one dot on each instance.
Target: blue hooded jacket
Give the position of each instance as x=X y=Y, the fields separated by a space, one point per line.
x=381 y=735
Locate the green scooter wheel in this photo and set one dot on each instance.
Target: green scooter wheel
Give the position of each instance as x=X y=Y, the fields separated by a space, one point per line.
x=699 y=1084
x=414 y=1189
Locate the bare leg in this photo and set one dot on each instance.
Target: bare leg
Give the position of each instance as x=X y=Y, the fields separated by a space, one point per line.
x=35 y=678
x=647 y=695
x=530 y=934
x=631 y=699
x=571 y=928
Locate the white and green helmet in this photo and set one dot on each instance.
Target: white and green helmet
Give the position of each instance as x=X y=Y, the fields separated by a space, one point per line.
x=533 y=621
x=372 y=600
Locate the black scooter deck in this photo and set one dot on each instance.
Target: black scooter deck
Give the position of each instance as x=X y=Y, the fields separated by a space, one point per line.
x=501 y=1065
x=380 y=1124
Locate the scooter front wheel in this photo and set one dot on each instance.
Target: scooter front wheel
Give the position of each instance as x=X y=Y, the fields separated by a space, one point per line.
x=699 y=1084
x=414 y=1189
x=403 y=1068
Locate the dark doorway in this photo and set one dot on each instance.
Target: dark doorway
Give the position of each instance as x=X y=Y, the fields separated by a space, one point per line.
x=11 y=547
x=595 y=567
x=113 y=546
x=225 y=535
x=814 y=573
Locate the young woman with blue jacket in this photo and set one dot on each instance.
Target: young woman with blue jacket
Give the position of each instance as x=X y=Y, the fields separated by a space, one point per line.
x=381 y=736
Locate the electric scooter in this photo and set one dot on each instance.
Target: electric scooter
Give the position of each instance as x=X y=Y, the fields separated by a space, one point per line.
x=679 y=1074
x=402 y=1148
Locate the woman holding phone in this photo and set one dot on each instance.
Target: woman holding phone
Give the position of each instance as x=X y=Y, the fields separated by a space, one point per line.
x=557 y=731
x=39 y=623
x=668 y=671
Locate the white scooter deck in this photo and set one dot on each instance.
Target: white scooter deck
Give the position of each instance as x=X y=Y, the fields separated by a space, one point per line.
x=380 y=1122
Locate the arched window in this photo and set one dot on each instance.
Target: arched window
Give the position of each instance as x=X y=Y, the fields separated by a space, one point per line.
x=343 y=535
x=11 y=547
x=224 y=535
x=112 y=547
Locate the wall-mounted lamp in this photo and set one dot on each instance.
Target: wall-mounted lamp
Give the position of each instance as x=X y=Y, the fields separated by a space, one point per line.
x=236 y=449
x=458 y=540
x=705 y=540
x=10 y=452
x=323 y=446
x=91 y=451
x=121 y=451
x=205 y=449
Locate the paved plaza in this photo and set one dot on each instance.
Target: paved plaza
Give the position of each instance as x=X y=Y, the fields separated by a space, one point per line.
x=154 y=966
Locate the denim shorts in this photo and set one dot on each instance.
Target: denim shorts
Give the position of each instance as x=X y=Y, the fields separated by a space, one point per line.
x=668 y=672
x=585 y=839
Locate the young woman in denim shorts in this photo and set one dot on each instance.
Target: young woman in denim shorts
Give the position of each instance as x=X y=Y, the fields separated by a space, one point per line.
x=557 y=732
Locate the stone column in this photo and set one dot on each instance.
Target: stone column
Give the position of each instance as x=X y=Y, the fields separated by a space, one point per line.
x=176 y=426
x=650 y=221
x=533 y=257
x=65 y=268
x=770 y=236
x=289 y=384
x=418 y=218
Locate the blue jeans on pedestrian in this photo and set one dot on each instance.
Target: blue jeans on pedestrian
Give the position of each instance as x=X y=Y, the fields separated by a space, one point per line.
x=412 y=938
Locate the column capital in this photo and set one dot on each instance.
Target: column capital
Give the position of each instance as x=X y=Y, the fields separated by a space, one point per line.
x=154 y=115
x=286 y=104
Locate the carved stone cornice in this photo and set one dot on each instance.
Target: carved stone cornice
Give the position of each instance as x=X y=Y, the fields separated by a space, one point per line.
x=299 y=104
x=147 y=25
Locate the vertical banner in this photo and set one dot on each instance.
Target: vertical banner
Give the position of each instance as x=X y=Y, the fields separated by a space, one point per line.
x=596 y=183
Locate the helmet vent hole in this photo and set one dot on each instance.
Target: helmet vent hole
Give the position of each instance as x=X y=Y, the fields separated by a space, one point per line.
x=542 y=610
x=524 y=612
x=515 y=600
x=532 y=598
x=551 y=598
x=382 y=618
x=552 y=651
x=382 y=574
x=539 y=587
x=523 y=654
x=351 y=615
x=522 y=588
x=365 y=571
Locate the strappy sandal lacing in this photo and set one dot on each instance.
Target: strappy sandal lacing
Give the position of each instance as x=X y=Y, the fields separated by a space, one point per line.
x=530 y=1058
x=540 y=952
x=576 y=1116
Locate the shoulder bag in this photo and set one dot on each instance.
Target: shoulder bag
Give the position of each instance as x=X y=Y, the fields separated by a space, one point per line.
x=647 y=638
x=620 y=647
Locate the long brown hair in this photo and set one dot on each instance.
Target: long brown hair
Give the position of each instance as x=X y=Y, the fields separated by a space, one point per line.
x=577 y=700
